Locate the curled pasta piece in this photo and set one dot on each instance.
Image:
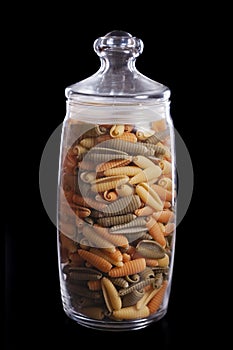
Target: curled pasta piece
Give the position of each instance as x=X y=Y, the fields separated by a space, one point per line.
x=117 y=130
x=110 y=196
x=88 y=176
x=165 y=166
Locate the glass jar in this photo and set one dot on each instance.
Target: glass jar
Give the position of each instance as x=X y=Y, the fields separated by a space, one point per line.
x=116 y=210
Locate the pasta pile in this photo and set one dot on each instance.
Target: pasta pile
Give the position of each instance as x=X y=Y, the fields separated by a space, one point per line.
x=117 y=219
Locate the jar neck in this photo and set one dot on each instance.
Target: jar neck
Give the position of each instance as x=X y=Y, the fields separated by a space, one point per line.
x=118 y=63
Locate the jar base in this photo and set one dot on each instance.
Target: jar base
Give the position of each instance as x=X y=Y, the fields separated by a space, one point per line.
x=114 y=326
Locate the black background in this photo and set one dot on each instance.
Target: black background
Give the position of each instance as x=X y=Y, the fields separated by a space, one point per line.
x=46 y=51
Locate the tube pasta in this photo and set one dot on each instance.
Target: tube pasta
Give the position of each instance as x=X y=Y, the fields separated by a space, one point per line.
x=149 y=196
x=164 y=216
x=113 y=164
x=156 y=232
x=95 y=260
x=145 y=175
x=126 y=170
x=117 y=241
x=96 y=240
x=124 y=190
x=129 y=268
x=157 y=299
x=131 y=313
x=142 y=162
x=108 y=183
x=116 y=220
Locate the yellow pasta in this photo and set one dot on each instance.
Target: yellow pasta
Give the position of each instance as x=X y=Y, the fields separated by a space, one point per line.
x=152 y=172
x=125 y=170
x=142 y=162
x=165 y=166
x=117 y=130
x=124 y=190
x=108 y=183
x=111 y=296
x=131 y=313
x=149 y=196
x=144 y=134
x=110 y=196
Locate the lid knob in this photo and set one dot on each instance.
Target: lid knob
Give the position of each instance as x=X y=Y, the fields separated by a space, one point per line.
x=118 y=41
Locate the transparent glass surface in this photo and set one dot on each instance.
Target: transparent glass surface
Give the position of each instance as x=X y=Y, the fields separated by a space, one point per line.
x=116 y=209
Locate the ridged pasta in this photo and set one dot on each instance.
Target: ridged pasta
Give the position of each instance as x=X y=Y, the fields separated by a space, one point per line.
x=129 y=268
x=157 y=299
x=95 y=260
x=131 y=313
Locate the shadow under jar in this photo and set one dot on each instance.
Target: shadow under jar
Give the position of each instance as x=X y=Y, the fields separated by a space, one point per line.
x=116 y=210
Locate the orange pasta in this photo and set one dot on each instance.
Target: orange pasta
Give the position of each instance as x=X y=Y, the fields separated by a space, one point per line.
x=164 y=216
x=156 y=301
x=94 y=285
x=164 y=194
x=95 y=260
x=117 y=240
x=149 y=261
x=129 y=268
x=155 y=231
